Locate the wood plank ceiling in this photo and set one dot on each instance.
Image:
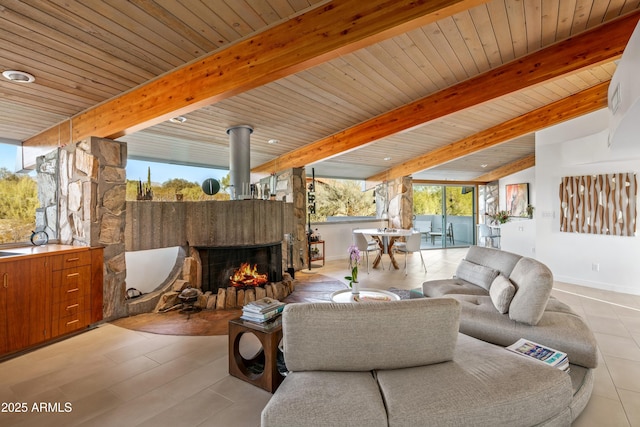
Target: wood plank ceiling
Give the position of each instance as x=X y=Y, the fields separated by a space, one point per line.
x=86 y=53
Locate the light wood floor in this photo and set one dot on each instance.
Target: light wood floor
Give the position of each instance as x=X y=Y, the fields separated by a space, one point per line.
x=113 y=376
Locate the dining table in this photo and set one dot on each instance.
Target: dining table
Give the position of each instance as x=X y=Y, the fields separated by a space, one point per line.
x=386 y=238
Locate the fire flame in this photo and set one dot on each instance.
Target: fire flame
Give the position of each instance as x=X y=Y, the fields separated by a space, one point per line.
x=247 y=276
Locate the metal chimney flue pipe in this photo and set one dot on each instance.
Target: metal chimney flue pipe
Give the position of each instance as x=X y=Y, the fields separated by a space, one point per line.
x=239 y=160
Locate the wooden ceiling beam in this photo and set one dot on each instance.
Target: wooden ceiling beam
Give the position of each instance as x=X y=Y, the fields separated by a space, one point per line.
x=573 y=106
x=593 y=47
x=506 y=170
x=324 y=33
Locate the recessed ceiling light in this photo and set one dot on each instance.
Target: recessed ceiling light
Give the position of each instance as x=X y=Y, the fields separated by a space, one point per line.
x=484 y=165
x=387 y=158
x=272 y=141
x=18 y=76
x=179 y=119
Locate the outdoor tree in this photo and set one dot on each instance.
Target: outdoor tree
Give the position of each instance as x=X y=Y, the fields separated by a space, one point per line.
x=18 y=203
x=342 y=198
x=427 y=200
x=191 y=191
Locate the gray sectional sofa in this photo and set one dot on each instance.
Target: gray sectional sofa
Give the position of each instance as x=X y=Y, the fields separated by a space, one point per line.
x=530 y=313
x=440 y=360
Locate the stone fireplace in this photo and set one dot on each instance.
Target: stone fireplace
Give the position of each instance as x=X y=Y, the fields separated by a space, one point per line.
x=221 y=262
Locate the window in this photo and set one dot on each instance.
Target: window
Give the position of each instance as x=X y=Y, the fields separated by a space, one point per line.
x=342 y=199
x=148 y=180
x=18 y=199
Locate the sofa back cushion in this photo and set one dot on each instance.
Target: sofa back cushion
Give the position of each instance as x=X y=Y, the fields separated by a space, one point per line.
x=533 y=281
x=476 y=274
x=496 y=259
x=367 y=336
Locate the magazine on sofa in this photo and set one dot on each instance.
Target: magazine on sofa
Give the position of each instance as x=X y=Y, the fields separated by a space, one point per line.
x=541 y=353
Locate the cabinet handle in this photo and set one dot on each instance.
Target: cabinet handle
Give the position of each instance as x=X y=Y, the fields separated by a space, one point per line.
x=5 y=280
x=72 y=259
x=72 y=306
x=73 y=290
x=73 y=321
x=73 y=274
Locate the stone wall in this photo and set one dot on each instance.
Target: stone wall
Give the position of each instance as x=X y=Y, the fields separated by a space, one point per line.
x=291 y=187
x=400 y=202
x=299 y=220
x=491 y=205
x=92 y=183
x=47 y=177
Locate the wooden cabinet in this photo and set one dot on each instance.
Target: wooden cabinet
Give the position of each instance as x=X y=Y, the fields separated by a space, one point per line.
x=44 y=296
x=71 y=292
x=26 y=303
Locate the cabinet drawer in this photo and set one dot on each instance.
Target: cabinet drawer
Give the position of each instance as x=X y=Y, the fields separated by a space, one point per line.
x=69 y=308
x=69 y=260
x=70 y=284
x=63 y=325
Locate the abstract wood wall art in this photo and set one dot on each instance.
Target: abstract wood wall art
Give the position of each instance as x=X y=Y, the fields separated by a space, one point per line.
x=599 y=204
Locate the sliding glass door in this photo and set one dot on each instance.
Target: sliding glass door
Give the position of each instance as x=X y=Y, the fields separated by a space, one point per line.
x=444 y=215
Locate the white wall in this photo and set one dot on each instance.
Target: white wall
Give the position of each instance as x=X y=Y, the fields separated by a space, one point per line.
x=527 y=176
x=146 y=270
x=519 y=234
x=624 y=97
x=579 y=147
x=338 y=237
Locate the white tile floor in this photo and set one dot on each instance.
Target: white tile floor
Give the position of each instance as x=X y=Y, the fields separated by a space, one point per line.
x=116 y=377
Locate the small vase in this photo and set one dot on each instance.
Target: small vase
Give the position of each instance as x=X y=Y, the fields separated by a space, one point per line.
x=355 y=288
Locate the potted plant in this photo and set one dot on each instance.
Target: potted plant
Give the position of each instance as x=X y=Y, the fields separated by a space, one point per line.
x=530 y=209
x=500 y=217
x=354 y=259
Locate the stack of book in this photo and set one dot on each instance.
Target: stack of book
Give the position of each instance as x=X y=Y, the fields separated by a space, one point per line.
x=541 y=353
x=262 y=311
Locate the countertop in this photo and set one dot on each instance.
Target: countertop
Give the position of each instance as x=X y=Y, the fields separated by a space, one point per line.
x=8 y=254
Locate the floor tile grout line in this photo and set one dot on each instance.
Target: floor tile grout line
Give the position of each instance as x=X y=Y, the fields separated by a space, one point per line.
x=597 y=299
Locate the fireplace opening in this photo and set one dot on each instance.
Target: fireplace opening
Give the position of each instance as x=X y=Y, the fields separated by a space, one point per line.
x=246 y=277
x=246 y=266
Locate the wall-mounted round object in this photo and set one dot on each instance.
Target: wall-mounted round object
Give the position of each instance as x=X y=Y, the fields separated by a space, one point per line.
x=210 y=186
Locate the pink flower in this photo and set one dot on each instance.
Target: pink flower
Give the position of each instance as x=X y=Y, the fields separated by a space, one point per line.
x=354 y=254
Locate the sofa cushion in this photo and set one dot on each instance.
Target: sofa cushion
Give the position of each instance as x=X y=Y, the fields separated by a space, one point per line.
x=501 y=293
x=359 y=336
x=497 y=259
x=444 y=287
x=326 y=399
x=533 y=281
x=559 y=327
x=484 y=385
x=476 y=274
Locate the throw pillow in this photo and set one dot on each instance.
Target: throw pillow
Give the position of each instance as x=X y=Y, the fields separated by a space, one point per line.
x=502 y=292
x=477 y=274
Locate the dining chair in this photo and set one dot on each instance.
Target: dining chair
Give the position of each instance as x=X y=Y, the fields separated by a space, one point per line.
x=367 y=246
x=485 y=236
x=411 y=245
x=450 y=233
x=425 y=228
x=369 y=239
